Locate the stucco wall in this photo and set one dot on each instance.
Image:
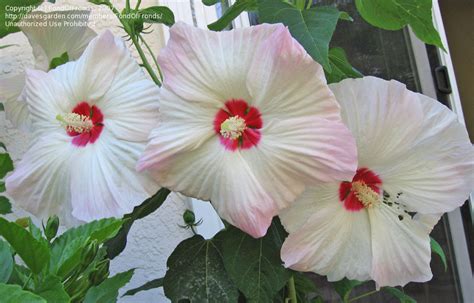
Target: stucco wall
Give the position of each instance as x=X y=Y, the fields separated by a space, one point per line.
x=152 y=239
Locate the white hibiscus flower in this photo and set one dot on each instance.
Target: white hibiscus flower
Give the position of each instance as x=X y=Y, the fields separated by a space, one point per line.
x=415 y=163
x=247 y=122
x=48 y=42
x=91 y=119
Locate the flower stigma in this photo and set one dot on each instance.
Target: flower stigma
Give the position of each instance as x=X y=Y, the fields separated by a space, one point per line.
x=75 y=122
x=366 y=195
x=233 y=127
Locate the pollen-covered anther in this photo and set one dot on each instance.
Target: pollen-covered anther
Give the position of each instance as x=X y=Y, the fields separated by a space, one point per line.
x=233 y=127
x=365 y=194
x=75 y=122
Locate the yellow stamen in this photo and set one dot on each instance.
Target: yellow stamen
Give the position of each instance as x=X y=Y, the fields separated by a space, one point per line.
x=75 y=122
x=233 y=127
x=365 y=194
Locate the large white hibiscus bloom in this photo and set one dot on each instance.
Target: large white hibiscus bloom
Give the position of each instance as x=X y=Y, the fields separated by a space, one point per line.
x=415 y=163
x=91 y=119
x=69 y=34
x=247 y=121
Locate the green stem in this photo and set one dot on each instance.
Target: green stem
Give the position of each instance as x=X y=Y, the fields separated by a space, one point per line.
x=138 y=4
x=27 y=281
x=363 y=295
x=129 y=32
x=292 y=290
x=153 y=56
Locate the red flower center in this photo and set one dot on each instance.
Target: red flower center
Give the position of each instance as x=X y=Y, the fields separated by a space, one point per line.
x=84 y=123
x=363 y=192
x=238 y=125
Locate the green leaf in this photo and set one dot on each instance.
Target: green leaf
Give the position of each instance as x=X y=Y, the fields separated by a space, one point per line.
x=6 y=262
x=254 y=264
x=117 y=244
x=400 y=295
x=15 y=294
x=231 y=13
x=2 y=145
x=157 y=14
x=5 y=206
x=305 y=287
x=196 y=273
x=107 y=291
x=6 y=164
x=437 y=249
x=313 y=28
x=2 y=187
x=2 y=108
x=395 y=14
x=67 y=248
x=148 y=285
x=21 y=276
x=340 y=66
x=52 y=290
x=64 y=58
x=11 y=11
x=344 y=288
x=345 y=16
x=34 y=253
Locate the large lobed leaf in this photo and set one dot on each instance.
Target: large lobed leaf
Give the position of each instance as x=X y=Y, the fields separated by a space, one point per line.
x=254 y=264
x=13 y=11
x=340 y=66
x=395 y=14
x=6 y=262
x=196 y=273
x=33 y=252
x=313 y=28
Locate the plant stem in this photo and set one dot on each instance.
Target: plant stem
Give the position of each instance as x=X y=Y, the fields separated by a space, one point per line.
x=28 y=280
x=138 y=4
x=292 y=290
x=129 y=32
x=153 y=56
x=363 y=295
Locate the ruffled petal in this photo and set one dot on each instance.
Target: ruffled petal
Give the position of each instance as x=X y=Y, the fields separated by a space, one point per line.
x=285 y=81
x=51 y=41
x=296 y=152
x=104 y=182
x=16 y=111
x=401 y=247
x=40 y=181
x=210 y=172
x=325 y=238
x=415 y=144
x=211 y=68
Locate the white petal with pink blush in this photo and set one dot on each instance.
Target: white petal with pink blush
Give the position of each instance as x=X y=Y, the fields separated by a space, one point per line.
x=247 y=122
x=415 y=163
x=91 y=119
x=47 y=42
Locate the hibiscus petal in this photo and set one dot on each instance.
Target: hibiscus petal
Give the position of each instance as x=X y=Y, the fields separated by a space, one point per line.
x=415 y=144
x=39 y=182
x=51 y=41
x=325 y=238
x=235 y=192
x=104 y=182
x=16 y=111
x=285 y=80
x=401 y=248
x=209 y=67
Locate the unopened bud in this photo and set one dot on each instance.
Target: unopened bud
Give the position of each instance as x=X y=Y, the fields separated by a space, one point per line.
x=23 y=222
x=89 y=252
x=189 y=217
x=100 y=273
x=51 y=228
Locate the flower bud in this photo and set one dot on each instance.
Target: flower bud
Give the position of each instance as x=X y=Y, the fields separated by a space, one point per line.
x=89 y=253
x=100 y=273
x=51 y=228
x=189 y=217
